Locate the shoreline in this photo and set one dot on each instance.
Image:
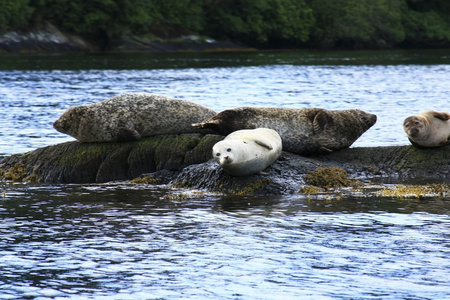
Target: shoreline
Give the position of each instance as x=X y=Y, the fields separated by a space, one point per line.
x=49 y=40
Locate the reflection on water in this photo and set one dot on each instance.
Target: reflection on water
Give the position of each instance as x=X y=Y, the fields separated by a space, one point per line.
x=127 y=242
x=120 y=241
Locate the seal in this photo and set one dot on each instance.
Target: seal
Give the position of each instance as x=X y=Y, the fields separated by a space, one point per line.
x=130 y=117
x=248 y=151
x=428 y=129
x=303 y=131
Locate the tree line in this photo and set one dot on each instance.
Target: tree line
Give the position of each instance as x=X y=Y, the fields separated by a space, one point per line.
x=326 y=24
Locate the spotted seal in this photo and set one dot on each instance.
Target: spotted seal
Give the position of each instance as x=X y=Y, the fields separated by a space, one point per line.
x=130 y=117
x=248 y=151
x=303 y=131
x=428 y=129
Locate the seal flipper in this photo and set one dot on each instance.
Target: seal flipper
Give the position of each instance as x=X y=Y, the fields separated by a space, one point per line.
x=126 y=134
x=319 y=122
x=211 y=123
x=441 y=115
x=447 y=142
x=324 y=150
x=263 y=144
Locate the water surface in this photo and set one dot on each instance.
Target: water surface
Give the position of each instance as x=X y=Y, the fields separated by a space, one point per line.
x=128 y=242
x=123 y=241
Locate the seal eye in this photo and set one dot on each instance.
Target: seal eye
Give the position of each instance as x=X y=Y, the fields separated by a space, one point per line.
x=217 y=154
x=417 y=123
x=406 y=125
x=229 y=150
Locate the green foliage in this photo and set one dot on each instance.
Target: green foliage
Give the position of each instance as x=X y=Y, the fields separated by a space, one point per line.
x=427 y=22
x=14 y=13
x=177 y=17
x=111 y=17
x=357 y=23
x=259 y=22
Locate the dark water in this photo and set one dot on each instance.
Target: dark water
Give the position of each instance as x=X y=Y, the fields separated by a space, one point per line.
x=123 y=241
x=128 y=242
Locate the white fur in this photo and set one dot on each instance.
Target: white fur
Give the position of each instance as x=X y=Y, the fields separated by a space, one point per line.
x=248 y=151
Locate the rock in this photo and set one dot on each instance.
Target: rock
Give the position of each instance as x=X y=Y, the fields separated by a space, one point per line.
x=49 y=39
x=191 y=43
x=185 y=161
x=403 y=164
x=75 y=162
x=43 y=39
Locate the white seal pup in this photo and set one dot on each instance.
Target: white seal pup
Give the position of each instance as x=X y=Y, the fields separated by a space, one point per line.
x=428 y=129
x=130 y=117
x=303 y=131
x=248 y=151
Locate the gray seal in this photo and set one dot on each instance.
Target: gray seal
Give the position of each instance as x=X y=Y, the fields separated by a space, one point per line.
x=248 y=151
x=428 y=129
x=130 y=117
x=303 y=131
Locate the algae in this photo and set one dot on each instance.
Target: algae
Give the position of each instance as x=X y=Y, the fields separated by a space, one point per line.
x=251 y=188
x=176 y=197
x=180 y=184
x=402 y=191
x=18 y=172
x=310 y=190
x=150 y=179
x=330 y=177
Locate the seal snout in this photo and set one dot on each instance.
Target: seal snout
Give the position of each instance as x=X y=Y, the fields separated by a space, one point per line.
x=414 y=131
x=226 y=159
x=59 y=125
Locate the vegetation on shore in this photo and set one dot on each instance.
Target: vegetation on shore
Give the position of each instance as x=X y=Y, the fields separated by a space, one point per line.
x=325 y=24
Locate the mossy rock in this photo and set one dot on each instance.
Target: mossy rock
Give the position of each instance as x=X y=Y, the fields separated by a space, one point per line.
x=75 y=162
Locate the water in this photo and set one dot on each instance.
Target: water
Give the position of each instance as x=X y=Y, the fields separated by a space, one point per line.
x=123 y=241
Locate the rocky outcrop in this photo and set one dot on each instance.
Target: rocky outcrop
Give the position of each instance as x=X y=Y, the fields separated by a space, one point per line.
x=43 y=39
x=75 y=162
x=49 y=39
x=184 y=161
x=403 y=164
x=188 y=43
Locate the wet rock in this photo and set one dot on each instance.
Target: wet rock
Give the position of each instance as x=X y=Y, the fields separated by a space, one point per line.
x=402 y=164
x=185 y=161
x=75 y=162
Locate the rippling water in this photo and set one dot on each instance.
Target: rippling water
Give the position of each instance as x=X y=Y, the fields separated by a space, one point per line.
x=125 y=242
x=122 y=241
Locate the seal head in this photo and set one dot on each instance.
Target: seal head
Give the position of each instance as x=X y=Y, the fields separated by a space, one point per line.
x=428 y=129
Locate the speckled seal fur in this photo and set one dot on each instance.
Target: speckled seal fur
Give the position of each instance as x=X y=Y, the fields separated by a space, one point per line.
x=303 y=131
x=428 y=129
x=248 y=151
x=130 y=117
